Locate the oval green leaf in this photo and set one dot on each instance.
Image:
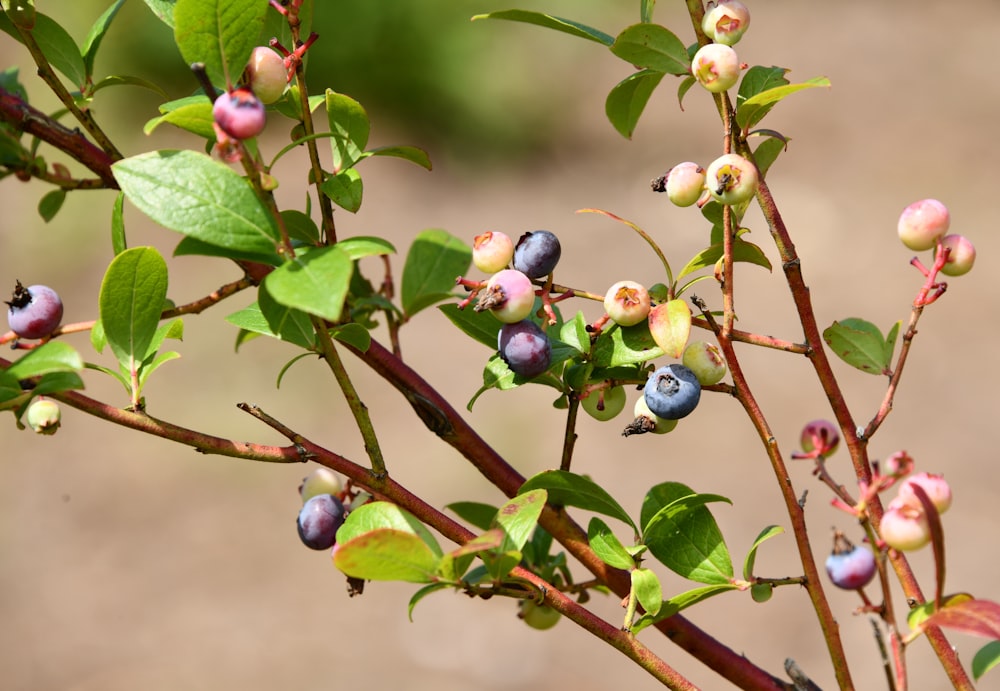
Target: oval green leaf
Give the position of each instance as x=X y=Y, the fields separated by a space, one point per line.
x=653 y=47
x=131 y=301
x=568 y=489
x=435 y=259
x=608 y=547
x=219 y=33
x=315 y=282
x=859 y=343
x=386 y=554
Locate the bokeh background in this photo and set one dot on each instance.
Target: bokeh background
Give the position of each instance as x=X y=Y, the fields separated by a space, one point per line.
x=127 y=562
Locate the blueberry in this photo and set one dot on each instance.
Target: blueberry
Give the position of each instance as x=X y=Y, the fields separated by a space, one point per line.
x=34 y=312
x=525 y=348
x=319 y=520
x=239 y=113
x=850 y=567
x=537 y=253
x=672 y=392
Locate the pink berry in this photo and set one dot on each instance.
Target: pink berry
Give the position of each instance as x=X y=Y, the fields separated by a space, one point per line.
x=627 y=303
x=266 y=74
x=904 y=527
x=716 y=67
x=820 y=437
x=731 y=179
x=923 y=223
x=492 y=251
x=34 y=312
x=726 y=21
x=898 y=464
x=705 y=360
x=961 y=257
x=239 y=113
x=934 y=486
x=509 y=295
x=685 y=183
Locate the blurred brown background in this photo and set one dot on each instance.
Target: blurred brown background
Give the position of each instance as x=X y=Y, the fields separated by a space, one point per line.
x=127 y=562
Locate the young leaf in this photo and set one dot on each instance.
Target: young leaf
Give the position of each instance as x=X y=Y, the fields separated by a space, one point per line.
x=53 y=356
x=569 y=489
x=743 y=251
x=385 y=515
x=315 y=282
x=626 y=346
x=50 y=204
x=653 y=47
x=858 y=343
x=670 y=326
x=519 y=516
x=350 y=126
x=757 y=106
x=646 y=10
x=96 y=35
x=628 y=98
x=345 y=189
x=965 y=614
x=131 y=300
x=435 y=259
x=190 y=193
x=758 y=79
x=421 y=594
x=219 y=33
x=679 y=602
x=475 y=513
x=407 y=153
x=118 y=241
x=574 y=333
x=195 y=117
x=557 y=23
x=766 y=534
x=604 y=543
x=985 y=659
x=386 y=554
x=647 y=590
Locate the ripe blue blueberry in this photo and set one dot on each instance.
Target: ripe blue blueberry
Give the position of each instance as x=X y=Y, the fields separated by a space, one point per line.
x=525 y=348
x=319 y=520
x=239 y=113
x=850 y=567
x=34 y=312
x=672 y=392
x=537 y=253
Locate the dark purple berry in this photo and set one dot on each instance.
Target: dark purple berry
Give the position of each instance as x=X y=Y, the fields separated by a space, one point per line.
x=525 y=348
x=537 y=253
x=319 y=520
x=672 y=392
x=34 y=312
x=239 y=113
x=850 y=567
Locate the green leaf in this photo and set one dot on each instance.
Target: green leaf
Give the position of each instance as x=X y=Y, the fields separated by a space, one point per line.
x=128 y=80
x=680 y=602
x=628 y=98
x=574 y=333
x=345 y=189
x=50 y=204
x=164 y=10
x=890 y=341
x=519 y=516
x=190 y=246
x=173 y=329
x=190 y=193
x=54 y=382
x=96 y=35
x=743 y=251
x=481 y=326
x=986 y=658
x=315 y=282
x=350 y=126
x=421 y=594
x=435 y=259
x=59 y=48
x=683 y=535
x=569 y=489
x=758 y=79
x=604 y=543
x=268 y=318
x=475 y=513
x=753 y=109
x=20 y=12
x=361 y=246
x=386 y=555
x=767 y=153
x=384 y=515
x=219 y=33
x=407 y=153
x=626 y=346
x=860 y=344
x=131 y=301
x=354 y=335
x=549 y=22
x=654 y=47
x=766 y=534
x=647 y=590
x=52 y=356
x=300 y=226
x=118 y=242
x=195 y=117
x=646 y=10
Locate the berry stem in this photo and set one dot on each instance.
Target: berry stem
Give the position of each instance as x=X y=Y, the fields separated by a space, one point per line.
x=570 y=435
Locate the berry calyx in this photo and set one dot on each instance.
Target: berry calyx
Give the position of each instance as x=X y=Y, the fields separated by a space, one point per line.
x=627 y=303
x=923 y=223
x=266 y=74
x=672 y=392
x=685 y=183
x=320 y=481
x=904 y=526
x=509 y=295
x=705 y=360
x=726 y=21
x=537 y=253
x=961 y=255
x=34 y=312
x=43 y=416
x=850 y=567
x=604 y=404
x=319 y=520
x=716 y=67
x=934 y=486
x=538 y=616
x=645 y=421
x=239 y=113
x=492 y=251
x=731 y=179
x=525 y=347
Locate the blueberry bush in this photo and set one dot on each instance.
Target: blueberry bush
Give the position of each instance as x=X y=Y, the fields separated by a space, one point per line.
x=560 y=543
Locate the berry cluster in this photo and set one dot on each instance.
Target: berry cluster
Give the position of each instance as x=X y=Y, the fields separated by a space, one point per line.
x=323 y=510
x=923 y=225
x=730 y=179
x=715 y=66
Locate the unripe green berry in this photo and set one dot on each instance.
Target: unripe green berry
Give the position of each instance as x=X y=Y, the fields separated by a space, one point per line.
x=726 y=21
x=645 y=420
x=320 y=481
x=604 y=404
x=267 y=75
x=43 y=416
x=627 y=303
x=761 y=592
x=731 y=179
x=685 y=183
x=716 y=67
x=923 y=223
x=961 y=256
x=538 y=616
x=705 y=360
